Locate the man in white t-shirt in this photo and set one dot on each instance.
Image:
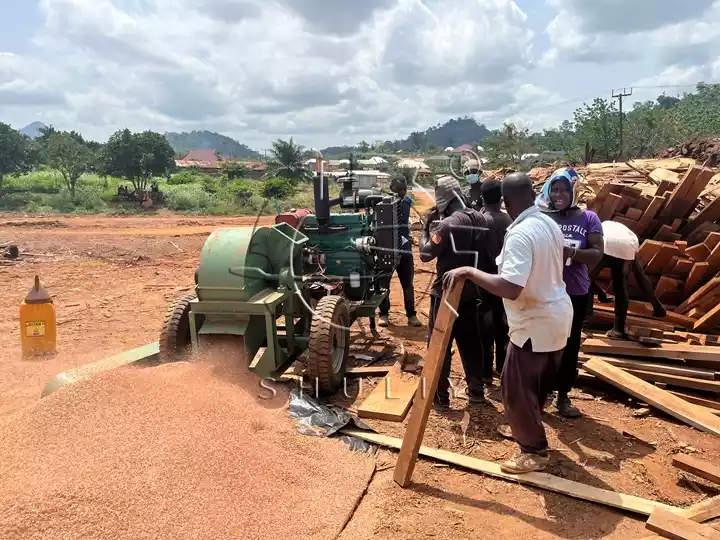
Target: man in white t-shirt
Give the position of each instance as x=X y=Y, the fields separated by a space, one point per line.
x=539 y=314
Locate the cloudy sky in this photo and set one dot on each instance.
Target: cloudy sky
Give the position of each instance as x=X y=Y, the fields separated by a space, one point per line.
x=339 y=71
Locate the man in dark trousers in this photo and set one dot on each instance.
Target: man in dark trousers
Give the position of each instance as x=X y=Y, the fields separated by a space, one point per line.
x=492 y=312
x=539 y=314
x=405 y=269
x=459 y=239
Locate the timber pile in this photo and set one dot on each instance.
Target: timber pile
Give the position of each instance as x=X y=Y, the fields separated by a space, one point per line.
x=671 y=363
x=668 y=204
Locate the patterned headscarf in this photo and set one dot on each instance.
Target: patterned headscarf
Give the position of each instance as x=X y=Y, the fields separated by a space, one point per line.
x=566 y=174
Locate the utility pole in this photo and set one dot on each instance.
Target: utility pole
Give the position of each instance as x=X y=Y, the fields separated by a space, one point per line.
x=620 y=94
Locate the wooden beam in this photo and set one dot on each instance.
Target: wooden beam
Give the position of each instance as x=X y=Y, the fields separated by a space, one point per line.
x=670 y=525
x=608 y=317
x=665 y=285
x=634 y=214
x=647 y=251
x=437 y=348
x=609 y=207
x=698 y=400
x=695 y=278
x=546 y=481
x=667 y=369
x=390 y=400
x=699 y=467
x=708 y=214
x=684 y=198
x=698 y=253
x=702 y=292
x=708 y=321
x=663 y=257
x=654 y=396
x=645 y=310
x=671 y=351
x=677 y=380
x=699 y=513
x=656 y=205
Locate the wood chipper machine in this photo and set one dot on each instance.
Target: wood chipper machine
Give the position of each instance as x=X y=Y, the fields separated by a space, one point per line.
x=294 y=287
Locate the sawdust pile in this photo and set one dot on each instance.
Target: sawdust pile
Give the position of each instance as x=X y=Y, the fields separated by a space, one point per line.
x=702 y=149
x=178 y=451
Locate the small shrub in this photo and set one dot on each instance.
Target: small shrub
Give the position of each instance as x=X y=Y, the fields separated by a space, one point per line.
x=185 y=177
x=278 y=188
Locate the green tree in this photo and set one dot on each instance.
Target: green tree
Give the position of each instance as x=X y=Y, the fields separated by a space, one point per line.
x=287 y=161
x=597 y=124
x=507 y=145
x=698 y=114
x=69 y=157
x=233 y=170
x=138 y=157
x=650 y=128
x=18 y=154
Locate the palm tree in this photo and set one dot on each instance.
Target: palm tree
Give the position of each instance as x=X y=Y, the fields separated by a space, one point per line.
x=287 y=161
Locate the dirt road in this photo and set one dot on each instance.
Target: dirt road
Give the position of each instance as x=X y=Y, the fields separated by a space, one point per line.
x=112 y=278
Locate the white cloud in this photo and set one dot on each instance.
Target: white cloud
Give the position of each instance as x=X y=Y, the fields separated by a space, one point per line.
x=317 y=69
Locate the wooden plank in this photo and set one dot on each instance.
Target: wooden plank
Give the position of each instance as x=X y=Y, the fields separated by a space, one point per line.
x=670 y=525
x=671 y=351
x=685 y=195
x=656 y=205
x=660 y=175
x=699 y=467
x=709 y=321
x=648 y=250
x=676 y=224
x=708 y=214
x=714 y=259
x=665 y=284
x=682 y=246
x=439 y=340
x=675 y=380
x=665 y=187
x=603 y=317
x=702 y=292
x=661 y=399
x=545 y=481
x=699 y=513
x=390 y=400
x=702 y=232
x=667 y=369
x=609 y=207
x=683 y=267
x=666 y=234
x=634 y=214
x=645 y=309
x=698 y=253
x=643 y=203
x=698 y=400
x=712 y=240
x=629 y=223
x=664 y=256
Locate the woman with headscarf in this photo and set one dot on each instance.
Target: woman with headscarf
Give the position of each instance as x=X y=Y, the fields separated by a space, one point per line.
x=583 y=248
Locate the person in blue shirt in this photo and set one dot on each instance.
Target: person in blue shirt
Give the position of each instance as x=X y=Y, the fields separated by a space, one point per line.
x=405 y=269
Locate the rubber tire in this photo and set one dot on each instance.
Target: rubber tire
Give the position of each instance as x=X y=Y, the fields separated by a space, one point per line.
x=175 y=338
x=330 y=311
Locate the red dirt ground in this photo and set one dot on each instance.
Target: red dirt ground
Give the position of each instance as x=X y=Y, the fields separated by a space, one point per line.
x=112 y=277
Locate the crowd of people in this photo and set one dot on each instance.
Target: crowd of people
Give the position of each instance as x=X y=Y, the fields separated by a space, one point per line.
x=528 y=273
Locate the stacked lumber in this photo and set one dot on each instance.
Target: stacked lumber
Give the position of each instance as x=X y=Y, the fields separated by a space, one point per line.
x=680 y=379
x=672 y=206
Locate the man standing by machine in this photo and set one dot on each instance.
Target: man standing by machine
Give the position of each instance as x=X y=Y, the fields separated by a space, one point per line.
x=539 y=313
x=459 y=239
x=405 y=269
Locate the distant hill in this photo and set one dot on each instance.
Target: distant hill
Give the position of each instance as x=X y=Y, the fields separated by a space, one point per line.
x=33 y=130
x=208 y=140
x=455 y=132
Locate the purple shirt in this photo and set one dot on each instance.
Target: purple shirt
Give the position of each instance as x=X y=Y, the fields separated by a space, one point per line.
x=576 y=230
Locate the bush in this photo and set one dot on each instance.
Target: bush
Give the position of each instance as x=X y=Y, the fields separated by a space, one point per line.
x=185 y=177
x=241 y=190
x=278 y=188
x=187 y=198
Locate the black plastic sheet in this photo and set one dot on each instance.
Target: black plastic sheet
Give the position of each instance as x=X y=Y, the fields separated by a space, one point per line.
x=319 y=420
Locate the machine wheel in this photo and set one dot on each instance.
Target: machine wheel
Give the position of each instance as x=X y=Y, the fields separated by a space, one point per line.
x=175 y=338
x=329 y=344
